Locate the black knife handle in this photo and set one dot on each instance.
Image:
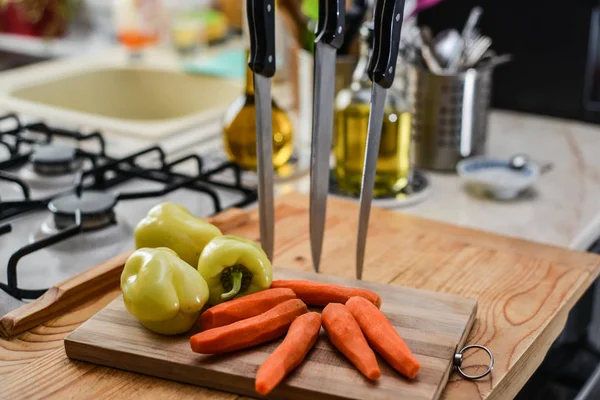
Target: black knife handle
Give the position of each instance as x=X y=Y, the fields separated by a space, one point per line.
x=261 y=25
x=330 y=27
x=386 y=40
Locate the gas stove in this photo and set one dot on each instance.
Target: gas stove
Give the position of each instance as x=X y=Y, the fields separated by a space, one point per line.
x=66 y=205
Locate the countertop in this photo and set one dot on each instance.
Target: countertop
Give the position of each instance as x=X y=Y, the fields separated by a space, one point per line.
x=524 y=293
x=562 y=209
x=565 y=200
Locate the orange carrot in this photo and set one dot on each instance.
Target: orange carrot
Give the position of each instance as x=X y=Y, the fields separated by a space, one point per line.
x=382 y=337
x=321 y=294
x=249 y=332
x=301 y=337
x=345 y=334
x=244 y=307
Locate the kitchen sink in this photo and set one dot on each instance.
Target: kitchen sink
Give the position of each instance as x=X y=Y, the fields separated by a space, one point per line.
x=132 y=94
x=151 y=98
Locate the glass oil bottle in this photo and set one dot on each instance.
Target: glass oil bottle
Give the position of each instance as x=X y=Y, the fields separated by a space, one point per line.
x=239 y=130
x=352 y=106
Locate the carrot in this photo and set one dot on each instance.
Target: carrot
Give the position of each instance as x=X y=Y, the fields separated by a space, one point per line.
x=244 y=307
x=301 y=337
x=249 y=332
x=382 y=337
x=321 y=294
x=345 y=334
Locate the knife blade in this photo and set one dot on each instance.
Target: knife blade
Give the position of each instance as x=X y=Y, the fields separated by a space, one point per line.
x=329 y=38
x=261 y=26
x=382 y=67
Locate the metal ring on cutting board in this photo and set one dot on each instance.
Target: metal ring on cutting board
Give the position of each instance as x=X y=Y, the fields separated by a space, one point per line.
x=458 y=359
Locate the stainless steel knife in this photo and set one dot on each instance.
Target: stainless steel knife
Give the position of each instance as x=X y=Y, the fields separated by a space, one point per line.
x=329 y=38
x=261 y=25
x=382 y=67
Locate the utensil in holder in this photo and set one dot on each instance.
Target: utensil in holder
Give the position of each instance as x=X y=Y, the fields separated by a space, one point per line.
x=450 y=116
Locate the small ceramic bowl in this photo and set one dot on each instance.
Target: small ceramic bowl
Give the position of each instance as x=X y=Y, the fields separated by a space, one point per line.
x=496 y=177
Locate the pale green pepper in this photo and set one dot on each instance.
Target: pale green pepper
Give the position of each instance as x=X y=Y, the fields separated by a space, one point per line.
x=173 y=226
x=162 y=291
x=233 y=267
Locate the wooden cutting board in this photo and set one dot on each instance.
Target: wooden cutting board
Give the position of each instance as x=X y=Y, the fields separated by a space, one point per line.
x=433 y=325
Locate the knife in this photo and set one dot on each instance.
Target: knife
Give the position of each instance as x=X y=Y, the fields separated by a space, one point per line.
x=382 y=67
x=329 y=38
x=261 y=25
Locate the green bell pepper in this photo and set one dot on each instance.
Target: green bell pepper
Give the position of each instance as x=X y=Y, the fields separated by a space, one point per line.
x=173 y=226
x=161 y=290
x=233 y=267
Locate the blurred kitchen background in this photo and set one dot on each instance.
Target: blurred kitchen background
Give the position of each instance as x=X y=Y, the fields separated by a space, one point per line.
x=567 y=57
x=490 y=123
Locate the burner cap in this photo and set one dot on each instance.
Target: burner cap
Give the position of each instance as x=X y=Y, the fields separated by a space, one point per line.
x=54 y=159
x=97 y=209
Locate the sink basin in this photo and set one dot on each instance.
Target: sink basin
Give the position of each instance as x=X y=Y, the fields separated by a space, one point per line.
x=152 y=99
x=132 y=94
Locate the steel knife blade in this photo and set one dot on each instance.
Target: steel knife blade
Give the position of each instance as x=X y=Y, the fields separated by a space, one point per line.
x=329 y=38
x=388 y=17
x=261 y=25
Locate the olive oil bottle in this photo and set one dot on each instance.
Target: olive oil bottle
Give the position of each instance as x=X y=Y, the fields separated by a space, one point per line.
x=239 y=130
x=351 y=126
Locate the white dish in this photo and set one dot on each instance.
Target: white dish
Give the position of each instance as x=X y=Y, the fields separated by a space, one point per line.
x=496 y=176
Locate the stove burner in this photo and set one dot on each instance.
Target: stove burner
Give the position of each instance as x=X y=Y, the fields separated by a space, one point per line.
x=40 y=164
x=97 y=209
x=54 y=159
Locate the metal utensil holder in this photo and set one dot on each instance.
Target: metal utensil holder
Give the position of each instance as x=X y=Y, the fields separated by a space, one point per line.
x=450 y=116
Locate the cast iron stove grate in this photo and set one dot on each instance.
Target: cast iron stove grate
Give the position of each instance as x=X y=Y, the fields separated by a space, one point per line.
x=89 y=204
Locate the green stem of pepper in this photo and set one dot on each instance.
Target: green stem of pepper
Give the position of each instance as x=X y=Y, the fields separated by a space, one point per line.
x=236 y=279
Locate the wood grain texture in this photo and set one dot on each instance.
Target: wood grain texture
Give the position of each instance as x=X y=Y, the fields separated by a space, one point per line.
x=86 y=285
x=524 y=292
x=433 y=325
x=38 y=342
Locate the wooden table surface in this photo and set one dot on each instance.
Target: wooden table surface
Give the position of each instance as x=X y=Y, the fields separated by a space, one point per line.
x=525 y=291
